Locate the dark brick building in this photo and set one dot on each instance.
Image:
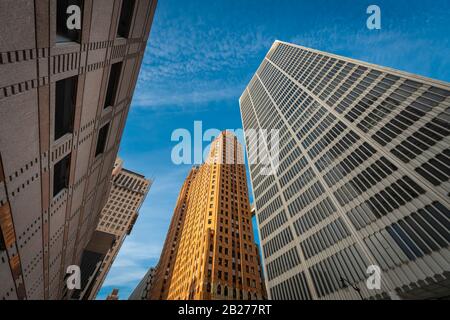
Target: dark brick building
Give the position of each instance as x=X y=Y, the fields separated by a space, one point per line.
x=64 y=100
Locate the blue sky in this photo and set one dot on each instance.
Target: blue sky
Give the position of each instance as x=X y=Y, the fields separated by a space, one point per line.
x=201 y=55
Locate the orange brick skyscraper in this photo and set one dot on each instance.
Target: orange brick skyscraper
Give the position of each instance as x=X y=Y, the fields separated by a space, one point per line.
x=209 y=252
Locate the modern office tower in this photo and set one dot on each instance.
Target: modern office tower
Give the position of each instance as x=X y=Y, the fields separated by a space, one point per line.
x=64 y=100
x=114 y=295
x=209 y=251
x=362 y=177
x=117 y=219
x=143 y=288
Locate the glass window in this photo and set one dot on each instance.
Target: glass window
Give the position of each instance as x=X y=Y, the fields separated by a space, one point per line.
x=65 y=97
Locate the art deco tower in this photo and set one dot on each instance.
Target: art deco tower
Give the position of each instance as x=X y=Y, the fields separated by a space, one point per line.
x=209 y=252
x=362 y=177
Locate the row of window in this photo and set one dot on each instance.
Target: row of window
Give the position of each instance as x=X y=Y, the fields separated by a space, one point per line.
x=294 y=288
x=313 y=70
x=277 y=242
x=390 y=198
x=306 y=198
x=357 y=91
x=297 y=163
x=345 y=143
x=265 y=185
x=299 y=184
x=365 y=180
x=388 y=105
x=314 y=216
x=426 y=137
x=429 y=98
x=321 y=127
x=369 y=99
x=348 y=164
x=64 y=34
x=276 y=83
x=423 y=231
x=287 y=261
x=349 y=264
x=329 y=138
x=304 y=109
x=343 y=73
x=130 y=182
x=345 y=86
x=320 y=70
x=420 y=233
x=315 y=119
x=272 y=225
x=322 y=86
x=270 y=193
x=65 y=102
x=437 y=169
x=248 y=296
x=324 y=238
x=269 y=209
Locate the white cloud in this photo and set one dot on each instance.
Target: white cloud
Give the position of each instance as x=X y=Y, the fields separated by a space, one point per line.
x=184 y=101
x=187 y=64
x=130 y=264
x=117 y=278
x=133 y=250
x=391 y=48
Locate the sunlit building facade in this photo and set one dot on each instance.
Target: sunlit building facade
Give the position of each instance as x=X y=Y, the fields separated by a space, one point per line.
x=209 y=252
x=362 y=177
x=143 y=288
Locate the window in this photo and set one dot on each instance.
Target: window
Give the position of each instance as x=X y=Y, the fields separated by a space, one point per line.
x=64 y=34
x=219 y=289
x=101 y=139
x=61 y=175
x=126 y=15
x=113 y=84
x=2 y=242
x=65 y=106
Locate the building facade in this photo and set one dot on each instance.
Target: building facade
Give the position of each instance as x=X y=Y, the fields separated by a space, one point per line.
x=64 y=100
x=143 y=288
x=117 y=219
x=361 y=178
x=114 y=295
x=209 y=252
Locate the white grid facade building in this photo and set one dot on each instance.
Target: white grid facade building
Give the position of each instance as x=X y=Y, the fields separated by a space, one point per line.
x=363 y=176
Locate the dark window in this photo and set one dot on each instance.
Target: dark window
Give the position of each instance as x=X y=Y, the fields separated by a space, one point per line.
x=126 y=15
x=101 y=140
x=61 y=175
x=2 y=242
x=407 y=240
x=64 y=34
x=113 y=84
x=65 y=106
x=432 y=232
x=423 y=235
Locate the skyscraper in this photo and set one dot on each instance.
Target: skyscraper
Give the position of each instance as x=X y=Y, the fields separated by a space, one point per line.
x=64 y=100
x=209 y=252
x=143 y=288
x=114 y=295
x=361 y=177
x=117 y=219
